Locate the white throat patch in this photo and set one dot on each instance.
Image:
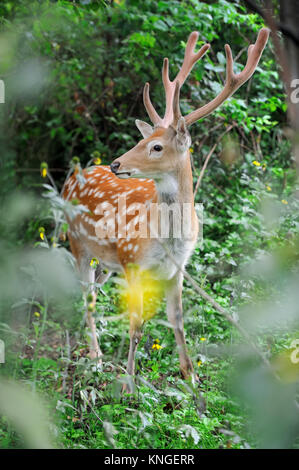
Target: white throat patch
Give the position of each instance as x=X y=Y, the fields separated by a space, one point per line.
x=166 y=184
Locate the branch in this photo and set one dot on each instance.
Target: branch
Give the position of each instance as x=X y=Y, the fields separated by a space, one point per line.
x=280 y=26
x=204 y=168
x=219 y=309
x=202 y=171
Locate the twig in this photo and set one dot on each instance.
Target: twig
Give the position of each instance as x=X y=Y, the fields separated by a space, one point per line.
x=218 y=308
x=240 y=53
x=202 y=171
x=204 y=168
x=116 y=317
x=37 y=169
x=68 y=355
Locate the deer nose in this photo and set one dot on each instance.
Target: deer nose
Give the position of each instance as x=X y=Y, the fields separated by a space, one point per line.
x=114 y=166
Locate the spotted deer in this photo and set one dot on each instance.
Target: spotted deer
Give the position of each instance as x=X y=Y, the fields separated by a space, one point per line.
x=156 y=171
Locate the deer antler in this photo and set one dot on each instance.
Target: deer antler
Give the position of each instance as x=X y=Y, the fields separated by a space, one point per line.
x=190 y=59
x=233 y=81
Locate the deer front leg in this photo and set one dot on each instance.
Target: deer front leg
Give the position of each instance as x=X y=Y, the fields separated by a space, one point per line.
x=94 y=348
x=175 y=316
x=135 y=307
x=90 y=295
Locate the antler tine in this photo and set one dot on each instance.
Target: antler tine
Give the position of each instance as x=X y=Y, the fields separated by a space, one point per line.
x=169 y=87
x=153 y=115
x=233 y=81
x=190 y=59
x=165 y=72
x=176 y=103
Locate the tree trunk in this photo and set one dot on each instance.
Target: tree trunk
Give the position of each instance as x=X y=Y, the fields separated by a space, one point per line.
x=289 y=17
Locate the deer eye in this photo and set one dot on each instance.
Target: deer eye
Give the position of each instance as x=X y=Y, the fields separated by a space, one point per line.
x=157 y=148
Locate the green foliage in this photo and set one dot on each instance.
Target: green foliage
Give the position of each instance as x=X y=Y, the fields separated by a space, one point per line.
x=91 y=65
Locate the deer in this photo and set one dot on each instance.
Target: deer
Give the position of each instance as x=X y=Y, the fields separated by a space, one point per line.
x=156 y=171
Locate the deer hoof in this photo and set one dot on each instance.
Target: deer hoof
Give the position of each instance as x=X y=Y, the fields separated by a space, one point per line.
x=187 y=369
x=96 y=356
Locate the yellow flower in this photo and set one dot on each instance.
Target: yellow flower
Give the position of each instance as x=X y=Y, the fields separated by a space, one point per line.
x=44 y=169
x=284 y=201
x=156 y=344
x=96 y=157
x=199 y=363
x=203 y=339
x=269 y=188
x=94 y=262
x=42 y=233
x=37 y=314
x=191 y=150
x=256 y=163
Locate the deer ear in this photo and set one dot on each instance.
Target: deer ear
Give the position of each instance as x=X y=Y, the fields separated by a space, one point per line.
x=181 y=126
x=145 y=129
x=183 y=137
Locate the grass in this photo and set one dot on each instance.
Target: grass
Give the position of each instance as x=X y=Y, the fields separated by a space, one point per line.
x=49 y=353
x=164 y=412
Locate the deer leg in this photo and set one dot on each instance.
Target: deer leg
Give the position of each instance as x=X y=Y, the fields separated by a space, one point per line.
x=94 y=351
x=175 y=316
x=135 y=337
x=87 y=276
x=90 y=295
x=135 y=307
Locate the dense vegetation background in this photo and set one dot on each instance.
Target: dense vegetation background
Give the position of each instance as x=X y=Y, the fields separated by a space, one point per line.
x=74 y=74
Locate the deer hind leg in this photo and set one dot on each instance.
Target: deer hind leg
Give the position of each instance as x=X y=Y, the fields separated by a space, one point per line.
x=175 y=317
x=135 y=307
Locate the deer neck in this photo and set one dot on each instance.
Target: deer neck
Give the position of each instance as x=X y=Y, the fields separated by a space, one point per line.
x=176 y=191
x=177 y=185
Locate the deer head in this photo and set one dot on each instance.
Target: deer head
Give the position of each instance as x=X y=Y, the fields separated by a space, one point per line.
x=166 y=144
